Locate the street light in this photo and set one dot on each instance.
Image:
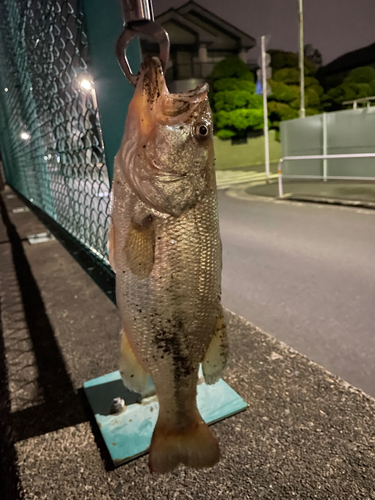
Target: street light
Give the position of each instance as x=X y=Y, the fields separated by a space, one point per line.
x=25 y=136
x=85 y=84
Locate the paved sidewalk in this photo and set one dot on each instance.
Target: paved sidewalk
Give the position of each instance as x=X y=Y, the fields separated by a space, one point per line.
x=344 y=193
x=253 y=176
x=228 y=178
x=306 y=433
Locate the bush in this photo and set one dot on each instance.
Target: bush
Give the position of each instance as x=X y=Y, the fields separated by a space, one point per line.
x=225 y=133
x=287 y=75
x=296 y=103
x=237 y=110
x=239 y=119
x=312 y=111
x=284 y=103
x=234 y=99
x=310 y=80
x=279 y=111
x=318 y=89
x=244 y=119
x=358 y=84
x=232 y=67
x=311 y=98
x=364 y=74
x=344 y=92
x=282 y=92
x=364 y=90
x=233 y=84
x=281 y=60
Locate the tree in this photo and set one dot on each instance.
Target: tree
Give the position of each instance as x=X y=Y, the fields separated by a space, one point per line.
x=284 y=102
x=359 y=83
x=236 y=108
x=313 y=55
x=281 y=59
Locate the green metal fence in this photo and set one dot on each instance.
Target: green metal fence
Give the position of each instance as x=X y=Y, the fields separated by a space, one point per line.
x=50 y=133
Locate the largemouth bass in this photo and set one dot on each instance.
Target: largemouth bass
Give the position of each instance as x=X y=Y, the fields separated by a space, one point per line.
x=165 y=248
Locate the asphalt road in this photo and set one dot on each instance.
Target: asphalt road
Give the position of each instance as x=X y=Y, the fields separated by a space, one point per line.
x=305 y=273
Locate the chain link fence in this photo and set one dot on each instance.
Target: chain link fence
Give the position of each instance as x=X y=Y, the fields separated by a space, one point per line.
x=50 y=135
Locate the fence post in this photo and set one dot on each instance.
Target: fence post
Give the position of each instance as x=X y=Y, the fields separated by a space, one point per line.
x=325 y=164
x=103 y=22
x=265 y=110
x=281 y=193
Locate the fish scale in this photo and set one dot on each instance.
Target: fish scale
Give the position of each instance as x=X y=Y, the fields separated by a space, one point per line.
x=165 y=248
x=186 y=266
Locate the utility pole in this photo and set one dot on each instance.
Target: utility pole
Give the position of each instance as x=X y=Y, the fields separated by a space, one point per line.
x=302 y=111
x=265 y=108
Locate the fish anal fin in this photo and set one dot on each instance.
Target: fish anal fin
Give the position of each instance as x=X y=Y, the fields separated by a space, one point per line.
x=194 y=446
x=111 y=246
x=139 y=247
x=216 y=355
x=132 y=373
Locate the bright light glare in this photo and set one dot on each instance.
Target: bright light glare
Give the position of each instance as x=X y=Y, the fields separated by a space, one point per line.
x=86 y=84
x=6 y=89
x=24 y=136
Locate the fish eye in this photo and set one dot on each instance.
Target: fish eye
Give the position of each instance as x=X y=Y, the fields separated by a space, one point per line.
x=201 y=131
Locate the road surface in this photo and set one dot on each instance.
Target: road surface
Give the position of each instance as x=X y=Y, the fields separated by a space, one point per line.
x=305 y=273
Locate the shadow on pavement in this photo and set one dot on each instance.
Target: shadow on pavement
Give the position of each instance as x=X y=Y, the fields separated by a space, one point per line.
x=57 y=403
x=9 y=479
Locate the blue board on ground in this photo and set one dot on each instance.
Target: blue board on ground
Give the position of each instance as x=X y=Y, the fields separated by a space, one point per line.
x=128 y=434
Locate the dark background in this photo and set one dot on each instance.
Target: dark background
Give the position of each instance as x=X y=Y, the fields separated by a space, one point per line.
x=332 y=26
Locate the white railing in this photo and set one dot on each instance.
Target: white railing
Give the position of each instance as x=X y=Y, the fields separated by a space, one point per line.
x=365 y=100
x=325 y=175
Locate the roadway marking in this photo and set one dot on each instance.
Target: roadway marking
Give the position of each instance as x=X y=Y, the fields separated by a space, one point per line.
x=226 y=178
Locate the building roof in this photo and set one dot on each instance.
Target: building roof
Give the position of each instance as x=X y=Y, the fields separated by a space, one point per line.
x=207 y=27
x=360 y=57
x=172 y=16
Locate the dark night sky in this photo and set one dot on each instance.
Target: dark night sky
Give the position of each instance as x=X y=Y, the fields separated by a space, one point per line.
x=332 y=26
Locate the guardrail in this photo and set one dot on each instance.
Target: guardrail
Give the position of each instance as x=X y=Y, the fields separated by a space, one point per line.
x=325 y=175
x=365 y=100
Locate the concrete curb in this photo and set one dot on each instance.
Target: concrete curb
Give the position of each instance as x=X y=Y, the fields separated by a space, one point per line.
x=330 y=201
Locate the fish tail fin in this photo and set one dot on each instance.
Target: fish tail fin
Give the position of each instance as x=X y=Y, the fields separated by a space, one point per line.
x=194 y=446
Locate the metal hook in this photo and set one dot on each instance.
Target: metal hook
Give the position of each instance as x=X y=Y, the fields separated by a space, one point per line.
x=139 y=18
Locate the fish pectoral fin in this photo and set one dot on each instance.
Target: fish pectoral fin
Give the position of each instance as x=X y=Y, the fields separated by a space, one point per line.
x=111 y=246
x=216 y=355
x=139 y=249
x=132 y=373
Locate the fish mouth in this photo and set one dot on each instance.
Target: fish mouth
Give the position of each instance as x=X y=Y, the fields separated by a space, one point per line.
x=170 y=107
x=153 y=78
x=154 y=84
